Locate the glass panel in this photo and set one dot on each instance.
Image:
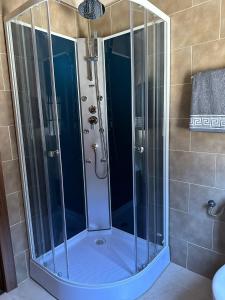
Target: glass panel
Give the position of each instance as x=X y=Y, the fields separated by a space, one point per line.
x=139 y=121
x=40 y=136
x=32 y=138
x=159 y=137
x=155 y=37
x=148 y=108
x=118 y=67
x=49 y=116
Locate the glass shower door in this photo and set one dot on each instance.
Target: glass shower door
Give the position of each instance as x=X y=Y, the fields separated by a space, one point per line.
x=38 y=133
x=148 y=89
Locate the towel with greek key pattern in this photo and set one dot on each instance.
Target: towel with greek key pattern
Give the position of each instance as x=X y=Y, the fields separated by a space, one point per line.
x=208 y=101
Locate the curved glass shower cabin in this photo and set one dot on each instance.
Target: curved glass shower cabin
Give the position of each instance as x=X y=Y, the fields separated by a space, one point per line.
x=91 y=92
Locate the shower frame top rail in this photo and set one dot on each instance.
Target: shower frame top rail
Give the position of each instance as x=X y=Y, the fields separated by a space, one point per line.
x=30 y=3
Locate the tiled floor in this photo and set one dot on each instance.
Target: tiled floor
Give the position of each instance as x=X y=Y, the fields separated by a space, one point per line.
x=176 y=283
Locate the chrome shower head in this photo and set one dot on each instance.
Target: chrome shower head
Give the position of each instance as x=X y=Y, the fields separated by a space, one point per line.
x=91 y=9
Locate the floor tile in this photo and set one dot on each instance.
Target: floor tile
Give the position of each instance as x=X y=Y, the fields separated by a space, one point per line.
x=178 y=283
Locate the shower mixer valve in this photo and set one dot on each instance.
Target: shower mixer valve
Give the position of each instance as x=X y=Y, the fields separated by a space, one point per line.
x=92 y=109
x=93 y=121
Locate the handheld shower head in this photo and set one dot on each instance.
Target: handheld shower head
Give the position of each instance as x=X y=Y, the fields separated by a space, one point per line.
x=91 y=9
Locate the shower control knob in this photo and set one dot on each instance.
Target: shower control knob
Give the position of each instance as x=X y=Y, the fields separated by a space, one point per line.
x=84 y=98
x=92 y=109
x=93 y=121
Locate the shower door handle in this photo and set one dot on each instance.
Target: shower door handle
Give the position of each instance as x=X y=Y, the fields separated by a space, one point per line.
x=139 y=149
x=53 y=153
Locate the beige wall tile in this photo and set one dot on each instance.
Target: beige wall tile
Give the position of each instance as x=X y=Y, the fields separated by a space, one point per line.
x=13 y=204
x=6 y=111
x=179 y=134
x=5 y=72
x=138 y=15
x=120 y=16
x=192 y=167
x=102 y=25
x=209 y=56
x=223 y=19
x=181 y=66
x=63 y=19
x=172 y=6
x=2 y=87
x=203 y=261
x=218 y=240
x=5 y=145
x=39 y=16
x=220 y=171
x=191 y=228
x=22 y=212
x=180 y=101
x=9 y=5
x=199 y=195
x=207 y=142
x=179 y=195
x=19 y=238
x=2 y=37
x=11 y=176
x=21 y=267
x=178 y=251
x=196 y=2
x=195 y=25
x=81 y=26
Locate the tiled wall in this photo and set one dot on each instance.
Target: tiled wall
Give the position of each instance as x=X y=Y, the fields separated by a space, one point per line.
x=197 y=159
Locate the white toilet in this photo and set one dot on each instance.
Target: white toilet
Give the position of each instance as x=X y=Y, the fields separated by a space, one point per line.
x=218 y=284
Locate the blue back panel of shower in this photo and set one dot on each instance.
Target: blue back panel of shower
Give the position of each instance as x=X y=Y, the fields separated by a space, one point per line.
x=118 y=87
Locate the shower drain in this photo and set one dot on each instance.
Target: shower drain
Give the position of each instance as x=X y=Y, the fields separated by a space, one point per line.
x=100 y=242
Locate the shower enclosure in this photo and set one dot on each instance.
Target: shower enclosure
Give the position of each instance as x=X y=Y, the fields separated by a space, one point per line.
x=91 y=111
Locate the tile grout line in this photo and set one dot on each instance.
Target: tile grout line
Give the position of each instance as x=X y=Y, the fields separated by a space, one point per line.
x=9 y=194
x=198 y=152
x=10 y=160
x=190 y=7
x=197 y=44
x=198 y=184
x=18 y=223
x=204 y=248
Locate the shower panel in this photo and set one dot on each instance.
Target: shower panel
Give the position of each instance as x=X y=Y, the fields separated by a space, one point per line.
x=92 y=130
